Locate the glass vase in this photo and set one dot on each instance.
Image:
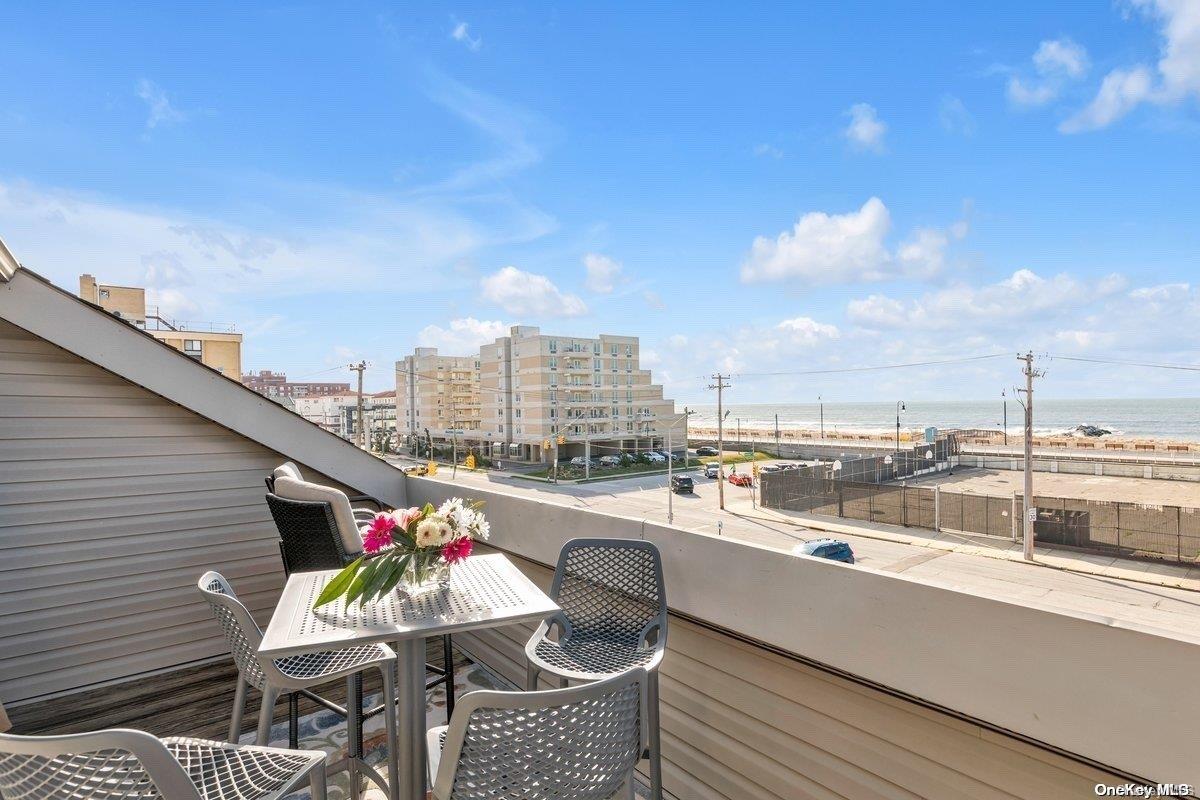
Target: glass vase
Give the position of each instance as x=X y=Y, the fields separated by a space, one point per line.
x=427 y=571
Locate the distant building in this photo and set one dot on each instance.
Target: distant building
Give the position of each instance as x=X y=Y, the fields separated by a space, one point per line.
x=215 y=345
x=525 y=390
x=436 y=392
x=276 y=384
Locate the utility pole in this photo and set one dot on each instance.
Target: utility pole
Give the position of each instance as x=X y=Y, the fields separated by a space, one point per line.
x=721 y=385
x=358 y=432
x=821 y=403
x=899 y=408
x=1005 y=396
x=1030 y=512
x=777 y=451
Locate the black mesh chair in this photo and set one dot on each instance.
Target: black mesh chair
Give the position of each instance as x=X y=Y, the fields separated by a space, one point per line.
x=309 y=541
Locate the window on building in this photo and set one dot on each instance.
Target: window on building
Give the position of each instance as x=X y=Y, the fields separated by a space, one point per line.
x=553 y=347
x=629 y=350
x=596 y=348
x=595 y=365
x=553 y=362
x=193 y=348
x=554 y=380
x=614 y=350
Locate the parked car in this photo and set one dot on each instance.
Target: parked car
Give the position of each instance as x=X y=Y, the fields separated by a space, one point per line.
x=655 y=458
x=580 y=461
x=682 y=484
x=740 y=479
x=610 y=461
x=712 y=470
x=770 y=468
x=706 y=450
x=833 y=549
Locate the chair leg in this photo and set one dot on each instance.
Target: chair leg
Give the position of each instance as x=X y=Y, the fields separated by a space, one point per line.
x=627 y=791
x=353 y=722
x=316 y=782
x=239 y=705
x=531 y=676
x=266 y=715
x=448 y=666
x=389 y=718
x=655 y=739
x=294 y=720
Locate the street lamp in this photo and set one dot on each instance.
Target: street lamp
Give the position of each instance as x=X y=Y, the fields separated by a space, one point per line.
x=899 y=408
x=1004 y=395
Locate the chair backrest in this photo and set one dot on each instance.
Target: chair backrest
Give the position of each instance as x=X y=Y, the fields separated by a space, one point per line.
x=287 y=469
x=343 y=514
x=308 y=535
x=105 y=765
x=612 y=589
x=580 y=743
x=241 y=631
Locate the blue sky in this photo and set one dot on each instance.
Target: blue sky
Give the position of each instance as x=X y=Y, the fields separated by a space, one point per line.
x=749 y=190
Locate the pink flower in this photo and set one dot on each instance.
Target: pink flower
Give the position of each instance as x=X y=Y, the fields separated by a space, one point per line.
x=379 y=535
x=457 y=550
x=406 y=517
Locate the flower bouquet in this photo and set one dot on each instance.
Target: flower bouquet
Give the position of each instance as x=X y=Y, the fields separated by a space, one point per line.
x=416 y=546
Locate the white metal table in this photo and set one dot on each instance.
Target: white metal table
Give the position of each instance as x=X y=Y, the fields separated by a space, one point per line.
x=485 y=591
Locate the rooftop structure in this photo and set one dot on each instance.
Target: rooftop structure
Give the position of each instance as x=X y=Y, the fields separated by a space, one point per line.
x=215 y=345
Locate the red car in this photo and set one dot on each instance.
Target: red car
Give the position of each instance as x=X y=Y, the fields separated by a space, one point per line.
x=740 y=479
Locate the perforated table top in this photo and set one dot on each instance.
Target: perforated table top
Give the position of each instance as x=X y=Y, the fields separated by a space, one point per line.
x=485 y=591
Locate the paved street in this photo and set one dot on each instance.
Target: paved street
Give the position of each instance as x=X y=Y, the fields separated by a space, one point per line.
x=1167 y=610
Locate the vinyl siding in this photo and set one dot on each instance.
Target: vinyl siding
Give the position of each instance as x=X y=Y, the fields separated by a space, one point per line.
x=740 y=722
x=113 y=501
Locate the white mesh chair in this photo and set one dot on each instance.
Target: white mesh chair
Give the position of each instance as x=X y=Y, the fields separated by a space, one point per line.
x=296 y=674
x=613 y=618
x=133 y=765
x=580 y=743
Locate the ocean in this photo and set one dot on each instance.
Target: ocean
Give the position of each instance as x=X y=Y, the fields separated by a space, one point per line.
x=1159 y=419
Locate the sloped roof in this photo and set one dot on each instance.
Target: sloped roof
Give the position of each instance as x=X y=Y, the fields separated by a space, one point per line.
x=30 y=301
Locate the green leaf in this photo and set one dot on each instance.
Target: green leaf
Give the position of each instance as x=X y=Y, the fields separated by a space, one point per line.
x=371 y=587
x=393 y=576
x=337 y=587
x=360 y=581
x=428 y=509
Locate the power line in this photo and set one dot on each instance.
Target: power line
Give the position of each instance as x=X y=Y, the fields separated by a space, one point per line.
x=1183 y=367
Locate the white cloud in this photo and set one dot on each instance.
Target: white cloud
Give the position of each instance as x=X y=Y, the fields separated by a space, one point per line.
x=865 y=131
x=1061 y=55
x=160 y=111
x=461 y=33
x=463 y=336
x=526 y=294
x=1057 y=61
x=1029 y=95
x=954 y=116
x=805 y=330
x=1021 y=296
x=1120 y=92
x=847 y=248
x=1178 y=69
x=768 y=150
x=602 y=273
x=654 y=300
x=1161 y=293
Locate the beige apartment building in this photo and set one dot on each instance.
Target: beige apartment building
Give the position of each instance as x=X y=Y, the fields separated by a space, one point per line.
x=536 y=387
x=437 y=393
x=215 y=345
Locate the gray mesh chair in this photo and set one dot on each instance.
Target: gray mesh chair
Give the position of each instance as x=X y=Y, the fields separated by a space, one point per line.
x=294 y=675
x=133 y=765
x=580 y=743
x=613 y=617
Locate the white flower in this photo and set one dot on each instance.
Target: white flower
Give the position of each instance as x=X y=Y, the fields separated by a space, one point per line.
x=433 y=531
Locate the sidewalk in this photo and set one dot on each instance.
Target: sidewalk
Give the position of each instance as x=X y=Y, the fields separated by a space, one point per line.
x=1177 y=576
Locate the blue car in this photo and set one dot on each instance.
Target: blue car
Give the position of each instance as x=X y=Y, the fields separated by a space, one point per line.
x=833 y=549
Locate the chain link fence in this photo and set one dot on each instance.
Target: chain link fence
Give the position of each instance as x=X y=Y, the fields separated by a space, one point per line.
x=1127 y=530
